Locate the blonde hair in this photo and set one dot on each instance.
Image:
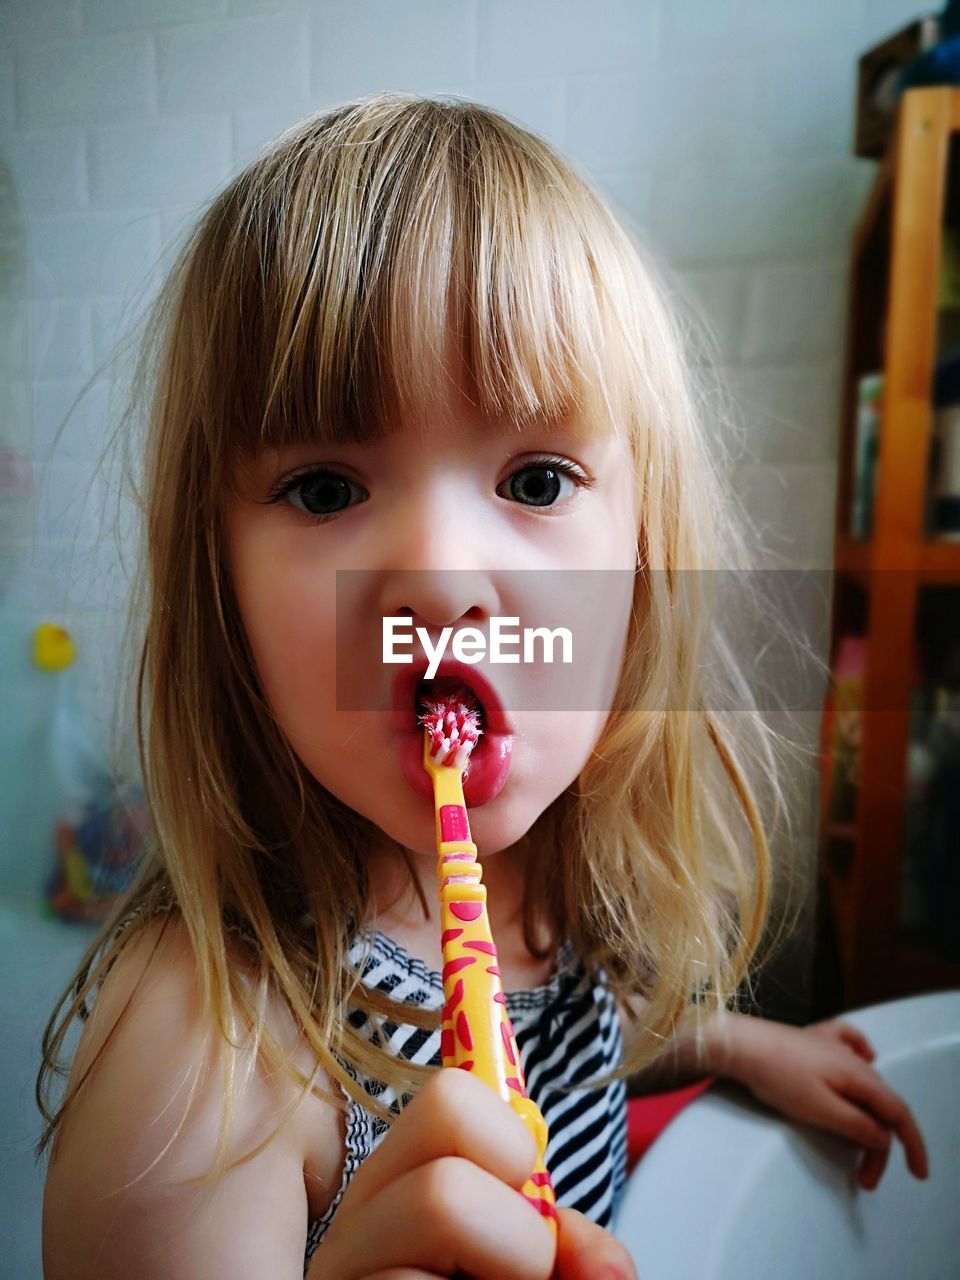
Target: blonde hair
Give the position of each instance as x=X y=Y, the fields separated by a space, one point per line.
x=287 y=315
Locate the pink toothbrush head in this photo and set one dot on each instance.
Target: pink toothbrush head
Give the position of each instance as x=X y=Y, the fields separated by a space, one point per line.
x=452 y=723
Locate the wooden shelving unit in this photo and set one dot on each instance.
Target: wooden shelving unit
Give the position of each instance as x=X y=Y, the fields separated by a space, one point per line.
x=878 y=583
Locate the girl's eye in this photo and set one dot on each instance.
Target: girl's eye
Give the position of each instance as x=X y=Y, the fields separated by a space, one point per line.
x=322 y=494
x=540 y=482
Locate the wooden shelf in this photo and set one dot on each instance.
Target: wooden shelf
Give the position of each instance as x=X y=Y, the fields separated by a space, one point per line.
x=940 y=562
x=871 y=227
x=936 y=562
x=879 y=583
x=854 y=557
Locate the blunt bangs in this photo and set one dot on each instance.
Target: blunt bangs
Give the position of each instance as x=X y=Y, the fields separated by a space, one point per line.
x=368 y=253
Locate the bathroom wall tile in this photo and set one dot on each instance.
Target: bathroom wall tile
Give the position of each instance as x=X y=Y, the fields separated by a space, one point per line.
x=15 y=339
x=267 y=64
x=628 y=190
x=756 y=210
x=113 y=324
x=8 y=107
x=97 y=252
x=197 y=161
x=69 y=502
x=253 y=130
x=71 y=418
x=702 y=30
x=118 y=15
x=789 y=414
x=718 y=295
x=16 y=414
x=795 y=310
x=48 y=167
x=540 y=105
x=62 y=332
x=86 y=80
x=620 y=118
x=369 y=45
x=793 y=506
x=28 y=20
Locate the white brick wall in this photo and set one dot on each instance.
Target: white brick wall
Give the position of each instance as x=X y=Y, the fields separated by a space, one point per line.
x=720 y=128
x=88 y=79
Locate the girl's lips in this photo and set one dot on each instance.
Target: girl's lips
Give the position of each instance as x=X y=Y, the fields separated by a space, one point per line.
x=491 y=757
x=485 y=779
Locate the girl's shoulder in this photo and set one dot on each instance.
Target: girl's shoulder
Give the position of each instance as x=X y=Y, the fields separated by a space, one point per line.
x=148 y=1117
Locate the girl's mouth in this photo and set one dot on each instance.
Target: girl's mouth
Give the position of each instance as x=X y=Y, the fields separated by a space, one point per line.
x=428 y=691
x=492 y=756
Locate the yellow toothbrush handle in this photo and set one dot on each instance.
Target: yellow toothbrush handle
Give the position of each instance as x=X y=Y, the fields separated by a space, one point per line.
x=477 y=1034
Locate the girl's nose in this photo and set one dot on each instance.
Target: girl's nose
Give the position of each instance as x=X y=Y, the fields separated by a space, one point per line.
x=435 y=561
x=437 y=598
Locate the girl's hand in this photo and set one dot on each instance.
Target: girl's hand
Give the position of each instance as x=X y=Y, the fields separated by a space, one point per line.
x=820 y=1075
x=441 y=1196
x=587 y=1252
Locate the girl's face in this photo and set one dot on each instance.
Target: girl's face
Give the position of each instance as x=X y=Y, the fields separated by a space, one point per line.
x=436 y=523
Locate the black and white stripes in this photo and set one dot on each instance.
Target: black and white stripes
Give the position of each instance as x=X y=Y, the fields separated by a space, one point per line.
x=568 y=1033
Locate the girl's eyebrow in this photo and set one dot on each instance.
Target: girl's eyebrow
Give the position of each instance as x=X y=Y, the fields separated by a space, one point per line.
x=571 y=426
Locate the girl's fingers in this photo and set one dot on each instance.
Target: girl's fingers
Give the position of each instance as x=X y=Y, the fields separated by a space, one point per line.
x=453 y=1115
x=587 y=1252
x=441 y=1218
x=872 y=1167
x=857 y=1041
x=894 y=1114
x=857 y=1125
x=848 y=1035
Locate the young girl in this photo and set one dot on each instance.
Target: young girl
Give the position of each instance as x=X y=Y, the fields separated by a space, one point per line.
x=408 y=340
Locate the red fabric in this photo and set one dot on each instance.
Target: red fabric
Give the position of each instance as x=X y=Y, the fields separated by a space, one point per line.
x=647 y=1117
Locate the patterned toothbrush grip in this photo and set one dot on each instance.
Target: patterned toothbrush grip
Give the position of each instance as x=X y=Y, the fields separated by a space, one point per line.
x=538 y=1189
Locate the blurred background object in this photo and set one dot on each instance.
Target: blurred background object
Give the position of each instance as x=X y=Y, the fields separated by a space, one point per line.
x=97 y=837
x=940 y=63
x=889 y=865
x=880 y=81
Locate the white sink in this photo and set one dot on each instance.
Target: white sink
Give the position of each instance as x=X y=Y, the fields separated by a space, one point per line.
x=731 y=1191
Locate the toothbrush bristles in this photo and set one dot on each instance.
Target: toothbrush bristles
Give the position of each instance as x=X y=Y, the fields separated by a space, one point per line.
x=453 y=725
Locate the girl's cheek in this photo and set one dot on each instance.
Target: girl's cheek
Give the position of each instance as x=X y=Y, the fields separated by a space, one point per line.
x=562 y=740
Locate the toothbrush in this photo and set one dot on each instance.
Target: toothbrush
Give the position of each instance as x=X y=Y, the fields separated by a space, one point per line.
x=477 y=1034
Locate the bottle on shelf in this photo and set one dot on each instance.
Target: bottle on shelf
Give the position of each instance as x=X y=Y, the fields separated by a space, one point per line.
x=866 y=445
x=937 y=868
x=945 y=460
x=843 y=730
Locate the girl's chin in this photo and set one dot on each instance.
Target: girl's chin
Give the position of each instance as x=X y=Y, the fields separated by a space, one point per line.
x=397 y=795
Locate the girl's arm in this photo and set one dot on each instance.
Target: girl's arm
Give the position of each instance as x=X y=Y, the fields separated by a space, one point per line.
x=818 y=1075
x=440 y=1195
x=254 y=1225
x=821 y=1075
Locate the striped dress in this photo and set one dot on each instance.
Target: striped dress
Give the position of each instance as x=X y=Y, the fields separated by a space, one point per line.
x=568 y=1033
